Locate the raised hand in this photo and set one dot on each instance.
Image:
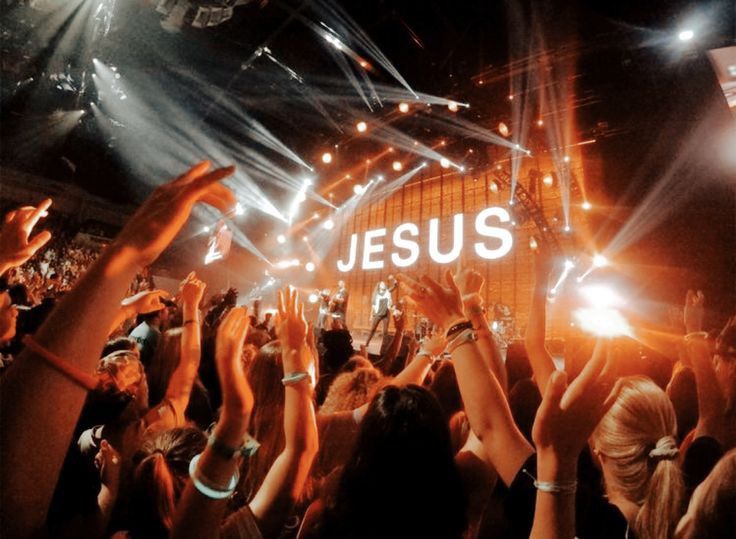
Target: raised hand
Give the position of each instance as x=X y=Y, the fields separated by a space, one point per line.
x=192 y=290
x=435 y=343
x=568 y=415
x=16 y=245
x=443 y=305
x=237 y=397
x=291 y=328
x=144 y=302
x=163 y=214
x=694 y=311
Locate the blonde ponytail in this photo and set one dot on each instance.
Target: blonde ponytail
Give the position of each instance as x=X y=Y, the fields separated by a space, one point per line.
x=639 y=451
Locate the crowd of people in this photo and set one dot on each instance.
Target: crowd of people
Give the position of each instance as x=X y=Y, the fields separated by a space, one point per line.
x=127 y=412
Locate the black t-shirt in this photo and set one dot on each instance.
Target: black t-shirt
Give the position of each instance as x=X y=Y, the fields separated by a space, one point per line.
x=594 y=516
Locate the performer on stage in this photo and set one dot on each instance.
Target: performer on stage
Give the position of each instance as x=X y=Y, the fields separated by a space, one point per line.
x=382 y=304
x=323 y=319
x=339 y=303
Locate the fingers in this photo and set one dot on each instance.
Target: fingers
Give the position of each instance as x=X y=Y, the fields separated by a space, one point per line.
x=10 y=216
x=553 y=393
x=39 y=241
x=280 y=304
x=39 y=212
x=194 y=172
x=433 y=285
x=220 y=197
x=451 y=282
x=199 y=185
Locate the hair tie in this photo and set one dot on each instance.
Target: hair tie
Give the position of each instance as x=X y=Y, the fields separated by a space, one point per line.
x=666 y=449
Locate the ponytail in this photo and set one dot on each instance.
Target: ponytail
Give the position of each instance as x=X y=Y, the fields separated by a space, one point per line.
x=664 y=502
x=154 y=496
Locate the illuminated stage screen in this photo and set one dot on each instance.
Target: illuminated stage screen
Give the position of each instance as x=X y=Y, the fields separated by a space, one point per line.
x=419 y=230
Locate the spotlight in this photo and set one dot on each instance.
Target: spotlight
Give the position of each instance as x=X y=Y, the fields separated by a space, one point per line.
x=540 y=122
x=445 y=163
x=313 y=298
x=305 y=239
x=587 y=206
x=404 y=107
x=397 y=166
x=566 y=159
x=205 y=229
x=548 y=180
x=533 y=245
x=424 y=164
x=503 y=129
x=315 y=215
x=600 y=261
x=281 y=239
x=239 y=209
x=686 y=35
x=301 y=196
x=567 y=228
x=309 y=266
x=358 y=189
x=379 y=178
x=329 y=224
x=452 y=106
x=511 y=97
x=327 y=158
x=462 y=169
x=361 y=127
x=364 y=64
x=569 y=264
x=493 y=186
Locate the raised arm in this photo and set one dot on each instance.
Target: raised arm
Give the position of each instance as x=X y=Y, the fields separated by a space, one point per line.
x=539 y=357
x=485 y=403
x=470 y=283
x=74 y=333
x=182 y=379
x=565 y=420
x=712 y=405
x=199 y=514
x=285 y=481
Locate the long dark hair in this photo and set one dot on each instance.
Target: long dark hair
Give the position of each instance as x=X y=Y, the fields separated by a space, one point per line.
x=401 y=480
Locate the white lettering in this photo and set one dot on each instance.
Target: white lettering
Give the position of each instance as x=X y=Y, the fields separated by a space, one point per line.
x=507 y=240
x=342 y=266
x=409 y=245
x=369 y=248
x=457 y=240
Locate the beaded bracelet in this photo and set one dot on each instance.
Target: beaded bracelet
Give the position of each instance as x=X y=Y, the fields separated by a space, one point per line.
x=209 y=488
x=457 y=328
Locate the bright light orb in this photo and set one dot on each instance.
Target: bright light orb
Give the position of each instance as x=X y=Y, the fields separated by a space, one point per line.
x=329 y=224
x=281 y=239
x=493 y=187
x=533 y=245
x=566 y=159
x=587 y=206
x=358 y=189
x=309 y=266
x=686 y=35
x=239 y=209
x=404 y=107
x=600 y=261
x=548 y=180
x=452 y=106
x=445 y=163
x=362 y=127
x=397 y=166
x=327 y=158
x=313 y=298
x=503 y=129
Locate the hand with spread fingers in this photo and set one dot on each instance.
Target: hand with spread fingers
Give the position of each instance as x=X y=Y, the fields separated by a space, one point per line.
x=568 y=415
x=16 y=244
x=157 y=222
x=237 y=397
x=291 y=328
x=443 y=305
